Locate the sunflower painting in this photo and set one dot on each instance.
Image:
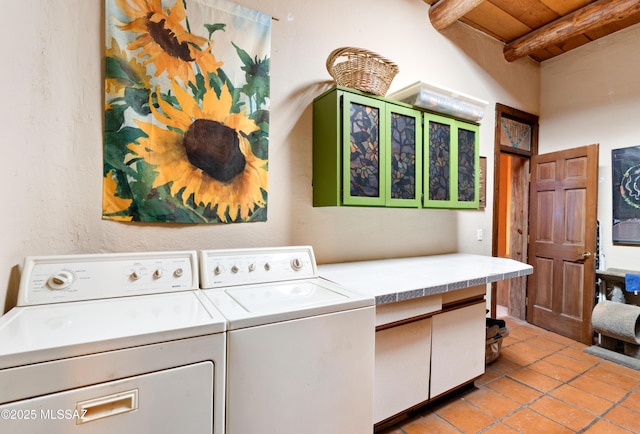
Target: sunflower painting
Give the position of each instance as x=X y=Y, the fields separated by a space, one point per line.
x=186 y=112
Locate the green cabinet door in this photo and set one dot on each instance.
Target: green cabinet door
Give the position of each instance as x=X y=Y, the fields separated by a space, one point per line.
x=404 y=156
x=451 y=163
x=364 y=155
x=366 y=151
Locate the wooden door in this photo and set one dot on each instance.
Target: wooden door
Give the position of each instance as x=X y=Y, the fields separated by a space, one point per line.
x=563 y=208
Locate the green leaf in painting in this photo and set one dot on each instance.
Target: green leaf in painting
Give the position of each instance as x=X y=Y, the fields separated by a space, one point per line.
x=212 y=28
x=138 y=100
x=114 y=117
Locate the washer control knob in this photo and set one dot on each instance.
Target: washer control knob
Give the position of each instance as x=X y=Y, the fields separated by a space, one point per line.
x=235 y=269
x=296 y=264
x=135 y=275
x=218 y=270
x=61 y=280
x=179 y=272
x=158 y=273
x=267 y=266
x=252 y=267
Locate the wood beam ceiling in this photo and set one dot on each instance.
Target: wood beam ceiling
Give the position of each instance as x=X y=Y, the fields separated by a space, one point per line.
x=446 y=12
x=603 y=12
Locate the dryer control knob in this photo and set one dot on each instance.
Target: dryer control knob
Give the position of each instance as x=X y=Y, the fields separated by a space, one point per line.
x=217 y=270
x=179 y=272
x=60 y=280
x=157 y=274
x=235 y=269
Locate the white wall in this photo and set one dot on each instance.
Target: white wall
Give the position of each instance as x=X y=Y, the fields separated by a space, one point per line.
x=592 y=95
x=51 y=133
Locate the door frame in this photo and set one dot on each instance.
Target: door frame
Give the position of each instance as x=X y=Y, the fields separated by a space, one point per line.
x=503 y=111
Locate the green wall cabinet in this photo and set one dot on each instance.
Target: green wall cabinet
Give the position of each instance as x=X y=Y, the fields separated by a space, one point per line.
x=370 y=151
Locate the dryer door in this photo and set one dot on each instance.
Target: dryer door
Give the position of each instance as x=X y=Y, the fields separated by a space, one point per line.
x=170 y=401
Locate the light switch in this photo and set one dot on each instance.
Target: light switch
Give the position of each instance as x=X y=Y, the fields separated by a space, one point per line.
x=479 y=235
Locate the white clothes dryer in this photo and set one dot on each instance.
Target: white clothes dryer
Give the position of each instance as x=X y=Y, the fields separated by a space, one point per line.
x=300 y=349
x=112 y=343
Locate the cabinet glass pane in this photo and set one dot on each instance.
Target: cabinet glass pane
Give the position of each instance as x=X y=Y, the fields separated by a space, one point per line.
x=364 y=150
x=466 y=165
x=439 y=161
x=403 y=156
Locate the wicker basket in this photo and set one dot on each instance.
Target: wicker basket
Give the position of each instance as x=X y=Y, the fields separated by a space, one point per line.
x=361 y=69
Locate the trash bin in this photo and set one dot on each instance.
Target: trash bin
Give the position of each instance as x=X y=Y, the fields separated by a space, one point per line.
x=496 y=331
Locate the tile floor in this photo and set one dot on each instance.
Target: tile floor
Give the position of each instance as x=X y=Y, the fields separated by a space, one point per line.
x=541 y=383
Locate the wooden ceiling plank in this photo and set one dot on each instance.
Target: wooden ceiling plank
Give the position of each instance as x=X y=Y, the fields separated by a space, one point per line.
x=565 y=7
x=532 y=13
x=446 y=12
x=494 y=21
x=582 y=20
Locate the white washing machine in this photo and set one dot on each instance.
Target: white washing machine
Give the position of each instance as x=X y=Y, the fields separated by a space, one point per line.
x=112 y=343
x=300 y=349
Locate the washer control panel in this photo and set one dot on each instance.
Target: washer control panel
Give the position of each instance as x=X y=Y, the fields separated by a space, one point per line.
x=230 y=267
x=65 y=278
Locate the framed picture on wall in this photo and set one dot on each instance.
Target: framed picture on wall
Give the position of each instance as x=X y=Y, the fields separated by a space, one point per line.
x=625 y=165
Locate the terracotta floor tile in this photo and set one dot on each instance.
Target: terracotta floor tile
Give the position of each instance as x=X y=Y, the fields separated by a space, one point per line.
x=619 y=369
x=522 y=332
x=599 y=388
x=491 y=402
x=529 y=422
x=523 y=353
x=497 y=369
x=632 y=401
x=543 y=342
x=465 y=417
x=581 y=399
x=577 y=352
x=514 y=390
x=604 y=427
x=500 y=428
x=577 y=366
x=558 y=339
x=535 y=379
x=610 y=377
x=429 y=424
x=552 y=370
x=624 y=417
x=565 y=414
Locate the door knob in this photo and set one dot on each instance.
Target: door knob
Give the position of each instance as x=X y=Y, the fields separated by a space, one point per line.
x=586 y=255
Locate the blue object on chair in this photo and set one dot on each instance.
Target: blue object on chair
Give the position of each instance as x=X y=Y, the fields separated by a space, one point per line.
x=632 y=283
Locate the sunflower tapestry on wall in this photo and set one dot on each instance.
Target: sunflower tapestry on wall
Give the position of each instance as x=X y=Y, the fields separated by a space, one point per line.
x=186 y=111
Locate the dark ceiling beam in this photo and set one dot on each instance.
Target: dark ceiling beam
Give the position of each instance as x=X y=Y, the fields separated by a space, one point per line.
x=582 y=20
x=446 y=12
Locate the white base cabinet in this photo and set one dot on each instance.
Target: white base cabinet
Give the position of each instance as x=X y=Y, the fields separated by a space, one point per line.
x=426 y=347
x=458 y=348
x=402 y=368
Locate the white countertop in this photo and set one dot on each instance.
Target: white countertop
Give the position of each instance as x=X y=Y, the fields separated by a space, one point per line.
x=391 y=280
